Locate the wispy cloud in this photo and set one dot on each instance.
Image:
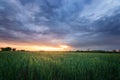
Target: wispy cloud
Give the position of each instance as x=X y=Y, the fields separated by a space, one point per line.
x=79 y=23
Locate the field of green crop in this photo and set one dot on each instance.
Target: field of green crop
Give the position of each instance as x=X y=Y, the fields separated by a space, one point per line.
x=59 y=66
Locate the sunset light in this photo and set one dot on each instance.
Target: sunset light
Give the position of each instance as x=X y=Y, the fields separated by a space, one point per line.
x=60 y=24
x=59 y=39
x=36 y=47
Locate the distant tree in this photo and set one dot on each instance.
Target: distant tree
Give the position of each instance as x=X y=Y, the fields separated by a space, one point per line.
x=6 y=49
x=114 y=51
x=14 y=49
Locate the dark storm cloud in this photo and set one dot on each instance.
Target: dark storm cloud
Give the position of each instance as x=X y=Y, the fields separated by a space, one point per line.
x=79 y=23
x=104 y=34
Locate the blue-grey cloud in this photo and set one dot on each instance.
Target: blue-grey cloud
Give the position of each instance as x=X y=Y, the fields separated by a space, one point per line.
x=79 y=23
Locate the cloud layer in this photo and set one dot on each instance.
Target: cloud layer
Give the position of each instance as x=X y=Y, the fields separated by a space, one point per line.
x=81 y=24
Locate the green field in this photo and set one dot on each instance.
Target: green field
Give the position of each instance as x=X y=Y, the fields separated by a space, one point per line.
x=59 y=66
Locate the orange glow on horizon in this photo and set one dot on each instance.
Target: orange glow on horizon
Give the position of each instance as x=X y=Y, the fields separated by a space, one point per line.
x=37 y=48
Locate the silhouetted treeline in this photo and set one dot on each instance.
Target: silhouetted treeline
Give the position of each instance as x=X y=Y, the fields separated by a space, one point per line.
x=99 y=51
x=86 y=51
x=8 y=49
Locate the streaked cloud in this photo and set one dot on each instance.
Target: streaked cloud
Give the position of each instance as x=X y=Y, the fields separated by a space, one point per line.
x=80 y=24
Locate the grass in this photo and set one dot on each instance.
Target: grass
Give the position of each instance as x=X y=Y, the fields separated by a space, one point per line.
x=59 y=66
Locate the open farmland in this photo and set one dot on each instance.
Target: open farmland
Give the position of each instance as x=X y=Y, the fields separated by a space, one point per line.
x=59 y=66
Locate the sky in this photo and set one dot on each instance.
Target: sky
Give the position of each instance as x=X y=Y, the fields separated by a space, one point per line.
x=60 y=24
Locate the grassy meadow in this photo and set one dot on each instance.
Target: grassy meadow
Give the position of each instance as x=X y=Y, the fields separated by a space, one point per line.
x=59 y=66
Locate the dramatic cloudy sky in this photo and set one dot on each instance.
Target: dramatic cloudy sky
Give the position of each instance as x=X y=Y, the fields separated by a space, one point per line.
x=77 y=24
